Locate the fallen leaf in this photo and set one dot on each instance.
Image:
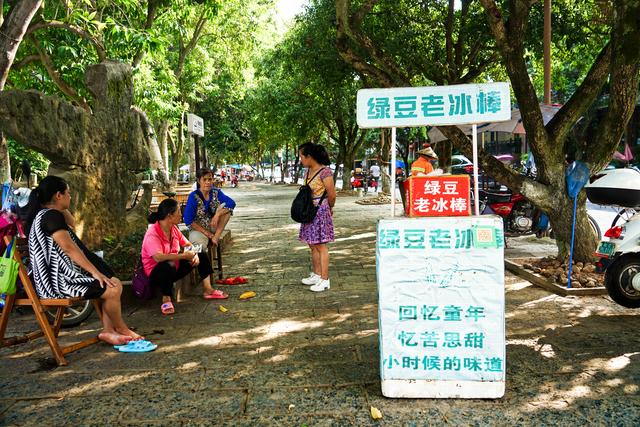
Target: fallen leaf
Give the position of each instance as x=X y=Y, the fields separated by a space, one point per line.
x=247 y=295
x=222 y=308
x=375 y=413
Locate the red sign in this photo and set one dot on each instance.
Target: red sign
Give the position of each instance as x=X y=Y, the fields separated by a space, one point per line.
x=438 y=195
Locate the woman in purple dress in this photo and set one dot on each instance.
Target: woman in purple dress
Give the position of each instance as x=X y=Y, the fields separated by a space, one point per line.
x=319 y=232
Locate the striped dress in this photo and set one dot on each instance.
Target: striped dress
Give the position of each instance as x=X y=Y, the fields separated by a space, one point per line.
x=52 y=271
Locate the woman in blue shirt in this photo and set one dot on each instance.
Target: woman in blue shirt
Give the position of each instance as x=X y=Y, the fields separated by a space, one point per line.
x=207 y=211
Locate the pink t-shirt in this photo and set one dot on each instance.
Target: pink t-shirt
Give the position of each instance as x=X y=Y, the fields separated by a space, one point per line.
x=156 y=242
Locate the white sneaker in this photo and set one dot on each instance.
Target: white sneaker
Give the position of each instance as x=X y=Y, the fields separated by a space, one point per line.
x=311 y=280
x=322 y=285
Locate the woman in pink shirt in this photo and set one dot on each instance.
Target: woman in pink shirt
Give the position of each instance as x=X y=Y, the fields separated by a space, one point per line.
x=162 y=260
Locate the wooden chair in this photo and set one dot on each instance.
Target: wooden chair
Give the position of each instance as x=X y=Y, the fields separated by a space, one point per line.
x=50 y=332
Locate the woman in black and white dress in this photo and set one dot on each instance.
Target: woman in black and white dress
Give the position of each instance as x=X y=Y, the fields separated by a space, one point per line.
x=62 y=266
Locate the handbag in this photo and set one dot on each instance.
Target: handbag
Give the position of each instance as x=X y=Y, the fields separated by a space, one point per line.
x=8 y=270
x=302 y=209
x=140 y=283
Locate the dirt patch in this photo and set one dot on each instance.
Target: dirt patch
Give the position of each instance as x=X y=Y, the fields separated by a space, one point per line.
x=381 y=199
x=583 y=275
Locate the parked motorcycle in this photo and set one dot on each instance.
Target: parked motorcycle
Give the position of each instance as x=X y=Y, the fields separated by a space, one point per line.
x=373 y=182
x=519 y=215
x=359 y=180
x=620 y=255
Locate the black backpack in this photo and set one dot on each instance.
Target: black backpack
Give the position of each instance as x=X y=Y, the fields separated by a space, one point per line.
x=302 y=209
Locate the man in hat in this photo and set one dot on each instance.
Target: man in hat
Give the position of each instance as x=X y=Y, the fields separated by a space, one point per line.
x=422 y=165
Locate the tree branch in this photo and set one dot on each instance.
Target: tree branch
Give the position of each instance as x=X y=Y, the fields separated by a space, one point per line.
x=55 y=76
x=25 y=61
x=152 y=11
x=448 y=35
x=172 y=143
x=390 y=75
x=361 y=13
x=459 y=48
x=197 y=32
x=100 y=50
x=561 y=124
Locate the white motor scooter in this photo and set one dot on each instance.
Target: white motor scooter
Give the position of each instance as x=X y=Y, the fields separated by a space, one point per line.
x=620 y=255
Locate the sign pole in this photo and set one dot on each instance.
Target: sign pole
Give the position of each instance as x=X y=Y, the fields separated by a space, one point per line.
x=393 y=172
x=196 y=147
x=476 y=195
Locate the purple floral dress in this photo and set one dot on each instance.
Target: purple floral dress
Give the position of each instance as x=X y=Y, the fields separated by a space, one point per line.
x=320 y=230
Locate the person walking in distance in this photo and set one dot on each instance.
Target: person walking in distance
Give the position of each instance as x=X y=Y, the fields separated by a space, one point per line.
x=318 y=233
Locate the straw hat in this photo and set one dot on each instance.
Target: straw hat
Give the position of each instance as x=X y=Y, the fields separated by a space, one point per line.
x=428 y=152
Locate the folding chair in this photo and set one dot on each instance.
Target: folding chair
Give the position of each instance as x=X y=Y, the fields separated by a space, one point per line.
x=50 y=332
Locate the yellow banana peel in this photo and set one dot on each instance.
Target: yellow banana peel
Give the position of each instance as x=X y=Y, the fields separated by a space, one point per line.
x=247 y=295
x=222 y=308
x=375 y=413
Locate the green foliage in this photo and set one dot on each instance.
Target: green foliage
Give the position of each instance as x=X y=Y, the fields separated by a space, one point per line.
x=18 y=153
x=123 y=254
x=304 y=91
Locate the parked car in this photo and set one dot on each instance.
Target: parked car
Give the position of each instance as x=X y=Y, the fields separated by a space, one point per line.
x=461 y=165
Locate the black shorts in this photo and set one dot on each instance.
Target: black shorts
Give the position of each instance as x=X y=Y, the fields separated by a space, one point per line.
x=94 y=290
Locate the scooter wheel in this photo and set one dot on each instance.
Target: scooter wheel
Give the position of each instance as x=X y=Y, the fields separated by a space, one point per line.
x=620 y=278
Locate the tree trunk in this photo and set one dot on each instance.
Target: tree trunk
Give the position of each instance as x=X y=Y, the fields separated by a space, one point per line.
x=259 y=169
x=177 y=155
x=349 y=158
x=285 y=168
x=561 y=222
x=384 y=161
x=296 y=168
x=163 y=143
x=154 y=150
x=443 y=149
x=339 y=161
x=273 y=166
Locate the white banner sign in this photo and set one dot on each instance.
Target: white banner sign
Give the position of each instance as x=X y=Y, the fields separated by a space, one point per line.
x=195 y=125
x=441 y=307
x=433 y=105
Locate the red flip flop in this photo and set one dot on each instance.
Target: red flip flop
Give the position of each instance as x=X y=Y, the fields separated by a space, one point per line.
x=240 y=280
x=216 y=294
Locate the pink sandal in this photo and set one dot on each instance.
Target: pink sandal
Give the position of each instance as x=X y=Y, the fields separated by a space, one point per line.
x=167 y=308
x=216 y=294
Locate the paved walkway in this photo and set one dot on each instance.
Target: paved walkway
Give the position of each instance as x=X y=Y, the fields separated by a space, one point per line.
x=291 y=357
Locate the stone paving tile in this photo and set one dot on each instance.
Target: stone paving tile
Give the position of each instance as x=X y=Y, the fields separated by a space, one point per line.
x=166 y=405
x=89 y=411
x=269 y=375
x=327 y=400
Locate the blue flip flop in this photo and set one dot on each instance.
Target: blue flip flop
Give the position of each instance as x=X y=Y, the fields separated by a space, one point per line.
x=137 y=346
